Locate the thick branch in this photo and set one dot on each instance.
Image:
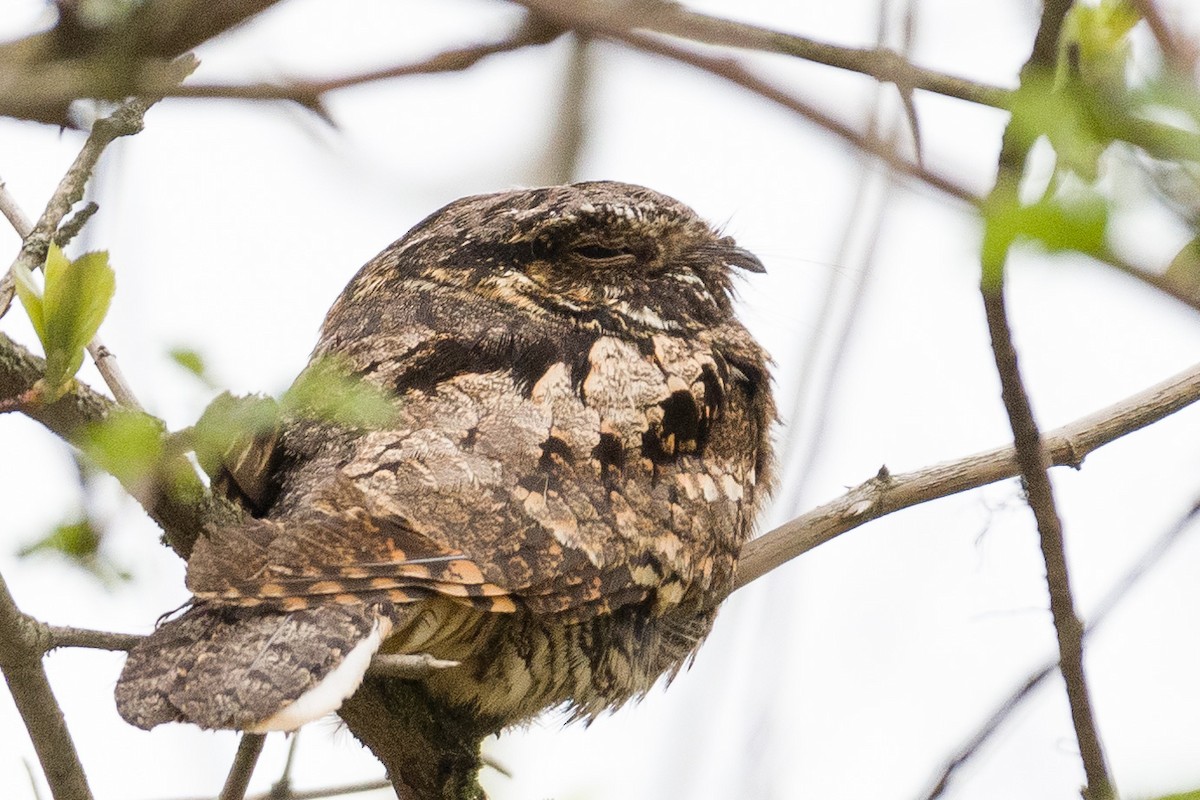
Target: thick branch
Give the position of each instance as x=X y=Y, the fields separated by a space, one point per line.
x=42 y=73
x=886 y=493
x=21 y=663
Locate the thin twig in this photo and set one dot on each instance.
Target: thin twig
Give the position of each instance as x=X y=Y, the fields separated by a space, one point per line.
x=71 y=227
x=317 y=794
x=864 y=220
x=126 y=120
x=1180 y=57
x=282 y=788
x=1112 y=598
x=1040 y=496
x=66 y=636
x=14 y=214
x=33 y=783
x=311 y=92
x=887 y=493
x=333 y=791
x=1030 y=454
x=392 y=665
x=249 y=748
x=565 y=141
x=881 y=63
x=407 y=665
x=21 y=663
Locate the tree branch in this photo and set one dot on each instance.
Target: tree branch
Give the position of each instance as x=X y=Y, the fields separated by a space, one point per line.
x=21 y=663
x=1153 y=554
x=126 y=120
x=881 y=63
x=1179 y=55
x=249 y=749
x=153 y=78
x=1030 y=455
x=1040 y=495
x=384 y=665
x=182 y=507
x=887 y=493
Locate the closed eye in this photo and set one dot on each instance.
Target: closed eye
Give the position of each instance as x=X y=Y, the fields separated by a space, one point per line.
x=596 y=252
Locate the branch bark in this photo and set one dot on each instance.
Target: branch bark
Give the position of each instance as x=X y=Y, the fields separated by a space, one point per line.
x=21 y=662
x=1030 y=456
x=1112 y=598
x=887 y=493
x=249 y=749
x=182 y=507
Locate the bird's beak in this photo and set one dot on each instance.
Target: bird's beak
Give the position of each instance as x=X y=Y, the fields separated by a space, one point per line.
x=737 y=257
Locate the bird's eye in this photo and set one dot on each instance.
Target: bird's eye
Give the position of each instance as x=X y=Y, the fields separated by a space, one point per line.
x=596 y=252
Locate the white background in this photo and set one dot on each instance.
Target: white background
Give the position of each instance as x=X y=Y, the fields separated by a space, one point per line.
x=852 y=672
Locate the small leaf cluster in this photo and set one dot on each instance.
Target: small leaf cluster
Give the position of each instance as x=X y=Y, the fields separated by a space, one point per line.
x=67 y=313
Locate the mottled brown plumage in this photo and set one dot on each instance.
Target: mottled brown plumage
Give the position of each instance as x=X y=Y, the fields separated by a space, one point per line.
x=579 y=447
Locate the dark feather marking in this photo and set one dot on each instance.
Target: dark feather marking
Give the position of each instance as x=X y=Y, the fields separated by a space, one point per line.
x=525 y=358
x=683 y=431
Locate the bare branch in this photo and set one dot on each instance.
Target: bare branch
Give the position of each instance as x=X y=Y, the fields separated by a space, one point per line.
x=1153 y=554
x=21 y=662
x=333 y=791
x=1040 y=495
x=989 y=727
x=886 y=493
x=1030 y=455
x=881 y=63
x=1177 y=52
x=64 y=636
x=282 y=788
x=16 y=217
x=391 y=665
x=249 y=749
x=125 y=121
x=309 y=93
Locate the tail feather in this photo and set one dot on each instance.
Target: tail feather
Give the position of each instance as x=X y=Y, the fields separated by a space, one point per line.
x=250 y=669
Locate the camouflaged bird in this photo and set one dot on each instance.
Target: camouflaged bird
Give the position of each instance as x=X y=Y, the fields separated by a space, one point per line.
x=578 y=449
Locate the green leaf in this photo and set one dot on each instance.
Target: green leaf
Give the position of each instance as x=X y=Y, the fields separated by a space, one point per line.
x=79 y=542
x=1192 y=795
x=75 y=539
x=328 y=391
x=128 y=445
x=1095 y=40
x=230 y=426
x=1074 y=223
x=76 y=299
x=192 y=361
x=1063 y=114
x=31 y=299
x=1184 y=270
